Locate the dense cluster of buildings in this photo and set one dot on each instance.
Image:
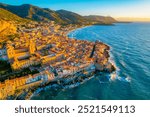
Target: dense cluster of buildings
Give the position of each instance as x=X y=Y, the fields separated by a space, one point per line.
x=46 y=44
x=9 y=87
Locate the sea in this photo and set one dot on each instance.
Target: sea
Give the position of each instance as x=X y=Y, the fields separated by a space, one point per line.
x=130 y=53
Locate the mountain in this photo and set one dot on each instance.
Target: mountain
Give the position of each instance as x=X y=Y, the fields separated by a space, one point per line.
x=32 y=12
x=61 y=16
x=8 y=16
x=101 y=19
x=71 y=17
x=44 y=14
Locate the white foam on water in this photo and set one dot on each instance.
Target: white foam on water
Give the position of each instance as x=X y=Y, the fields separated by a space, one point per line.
x=116 y=75
x=113 y=76
x=123 y=63
x=124 y=79
x=128 y=79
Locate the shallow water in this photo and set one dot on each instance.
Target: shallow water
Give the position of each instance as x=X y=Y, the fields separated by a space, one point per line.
x=130 y=51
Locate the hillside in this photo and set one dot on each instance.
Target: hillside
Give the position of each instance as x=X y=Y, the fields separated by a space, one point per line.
x=71 y=17
x=8 y=16
x=32 y=12
x=7 y=30
x=7 y=27
x=7 y=22
x=61 y=16
x=100 y=19
x=44 y=14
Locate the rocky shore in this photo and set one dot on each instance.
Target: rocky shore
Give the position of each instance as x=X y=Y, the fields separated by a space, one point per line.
x=101 y=64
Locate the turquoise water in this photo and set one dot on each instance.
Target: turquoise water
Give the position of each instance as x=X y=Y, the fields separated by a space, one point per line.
x=130 y=51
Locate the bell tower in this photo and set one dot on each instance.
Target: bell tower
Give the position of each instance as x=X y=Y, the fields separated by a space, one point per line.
x=10 y=52
x=32 y=47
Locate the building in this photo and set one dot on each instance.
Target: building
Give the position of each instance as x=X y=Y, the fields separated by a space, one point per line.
x=10 y=52
x=9 y=87
x=32 y=46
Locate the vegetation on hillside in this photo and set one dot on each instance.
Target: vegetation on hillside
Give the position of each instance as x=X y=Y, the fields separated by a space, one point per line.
x=61 y=16
x=101 y=19
x=8 y=16
x=71 y=17
x=8 y=25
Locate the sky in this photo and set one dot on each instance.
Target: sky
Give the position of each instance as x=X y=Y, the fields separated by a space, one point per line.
x=116 y=8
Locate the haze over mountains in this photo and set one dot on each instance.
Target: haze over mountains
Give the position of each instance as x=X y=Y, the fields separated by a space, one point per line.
x=35 y=13
x=133 y=19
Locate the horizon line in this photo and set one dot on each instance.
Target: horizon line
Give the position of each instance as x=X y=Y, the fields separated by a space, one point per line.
x=118 y=18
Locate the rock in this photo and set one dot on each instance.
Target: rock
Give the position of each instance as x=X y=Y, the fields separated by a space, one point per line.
x=109 y=67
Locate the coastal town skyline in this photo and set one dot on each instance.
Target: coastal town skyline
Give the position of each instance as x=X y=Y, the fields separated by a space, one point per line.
x=129 y=10
x=50 y=54
x=36 y=51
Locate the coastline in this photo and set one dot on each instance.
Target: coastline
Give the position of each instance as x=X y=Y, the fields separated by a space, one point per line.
x=109 y=51
x=96 y=58
x=112 y=77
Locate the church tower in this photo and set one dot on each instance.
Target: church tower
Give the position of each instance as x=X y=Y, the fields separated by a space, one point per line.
x=10 y=52
x=32 y=47
x=16 y=64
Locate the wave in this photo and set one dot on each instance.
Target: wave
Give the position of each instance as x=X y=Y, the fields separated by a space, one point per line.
x=116 y=76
